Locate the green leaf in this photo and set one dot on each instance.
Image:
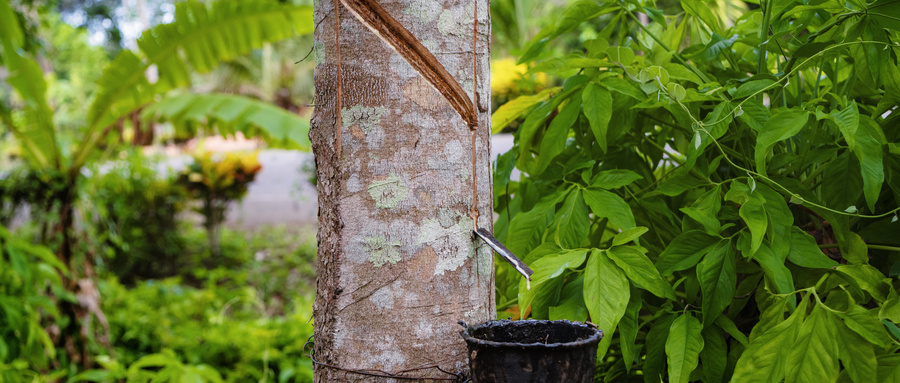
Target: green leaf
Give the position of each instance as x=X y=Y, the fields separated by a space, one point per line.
x=781 y=126
x=754 y=215
x=701 y=11
x=571 y=18
x=517 y=108
x=869 y=151
x=847 y=121
x=749 y=88
x=654 y=364
x=717 y=276
x=866 y=324
x=571 y=306
x=714 y=355
x=777 y=273
x=729 y=327
x=685 y=251
x=526 y=230
x=621 y=55
x=629 y=235
x=628 y=329
x=606 y=294
x=609 y=205
x=614 y=179
x=683 y=347
x=705 y=210
x=857 y=356
x=885 y=12
x=765 y=357
x=640 y=270
x=597 y=104
x=545 y=270
x=867 y=278
x=571 y=222
x=806 y=253
x=554 y=140
x=201 y=36
x=888 y=368
x=814 y=356
x=233 y=113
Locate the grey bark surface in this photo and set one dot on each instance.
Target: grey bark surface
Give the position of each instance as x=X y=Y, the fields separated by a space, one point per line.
x=398 y=265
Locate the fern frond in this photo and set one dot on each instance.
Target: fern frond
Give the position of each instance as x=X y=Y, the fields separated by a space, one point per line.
x=232 y=113
x=200 y=37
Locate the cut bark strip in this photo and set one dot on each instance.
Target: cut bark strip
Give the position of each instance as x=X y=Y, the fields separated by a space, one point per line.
x=389 y=30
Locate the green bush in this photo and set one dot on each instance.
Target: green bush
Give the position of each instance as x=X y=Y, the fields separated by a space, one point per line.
x=722 y=214
x=134 y=214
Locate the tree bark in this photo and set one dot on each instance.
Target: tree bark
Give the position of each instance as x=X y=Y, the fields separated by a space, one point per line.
x=398 y=265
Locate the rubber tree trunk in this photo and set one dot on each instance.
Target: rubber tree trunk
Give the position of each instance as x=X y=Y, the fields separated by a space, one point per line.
x=398 y=265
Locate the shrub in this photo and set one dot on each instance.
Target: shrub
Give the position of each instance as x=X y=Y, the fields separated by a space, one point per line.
x=721 y=200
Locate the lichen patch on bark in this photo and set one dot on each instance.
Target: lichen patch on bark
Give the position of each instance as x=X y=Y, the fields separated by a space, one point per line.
x=388 y=192
x=452 y=244
x=364 y=116
x=382 y=251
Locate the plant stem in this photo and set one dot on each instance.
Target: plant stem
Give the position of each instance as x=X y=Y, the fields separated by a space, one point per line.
x=763 y=34
x=869 y=246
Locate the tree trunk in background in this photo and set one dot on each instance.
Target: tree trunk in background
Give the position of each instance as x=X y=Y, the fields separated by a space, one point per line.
x=397 y=261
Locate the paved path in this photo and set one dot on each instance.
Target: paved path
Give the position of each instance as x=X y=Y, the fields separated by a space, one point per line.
x=281 y=193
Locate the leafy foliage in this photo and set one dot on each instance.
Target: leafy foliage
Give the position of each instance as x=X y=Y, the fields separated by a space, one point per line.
x=719 y=196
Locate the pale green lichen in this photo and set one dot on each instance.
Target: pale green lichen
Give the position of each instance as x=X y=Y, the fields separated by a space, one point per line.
x=382 y=251
x=319 y=52
x=366 y=117
x=453 y=244
x=388 y=192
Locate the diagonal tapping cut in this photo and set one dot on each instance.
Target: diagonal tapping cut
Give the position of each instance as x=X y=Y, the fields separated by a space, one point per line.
x=389 y=30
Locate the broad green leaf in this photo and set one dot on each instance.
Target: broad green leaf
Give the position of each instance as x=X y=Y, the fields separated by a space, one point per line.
x=855 y=250
x=620 y=54
x=847 y=121
x=780 y=220
x=781 y=126
x=36 y=133
x=729 y=327
x=628 y=328
x=526 y=229
x=888 y=368
x=571 y=305
x=233 y=113
x=640 y=270
x=683 y=347
x=764 y=359
x=705 y=210
x=554 y=140
x=714 y=355
x=867 y=278
x=515 y=109
x=806 y=253
x=866 y=324
x=629 y=235
x=11 y=37
x=654 y=364
x=717 y=276
x=775 y=270
x=614 y=179
x=701 y=11
x=890 y=310
x=606 y=294
x=813 y=358
x=597 y=103
x=869 y=151
x=571 y=222
x=749 y=88
x=685 y=251
x=546 y=269
x=885 y=12
x=754 y=215
x=609 y=205
x=856 y=355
